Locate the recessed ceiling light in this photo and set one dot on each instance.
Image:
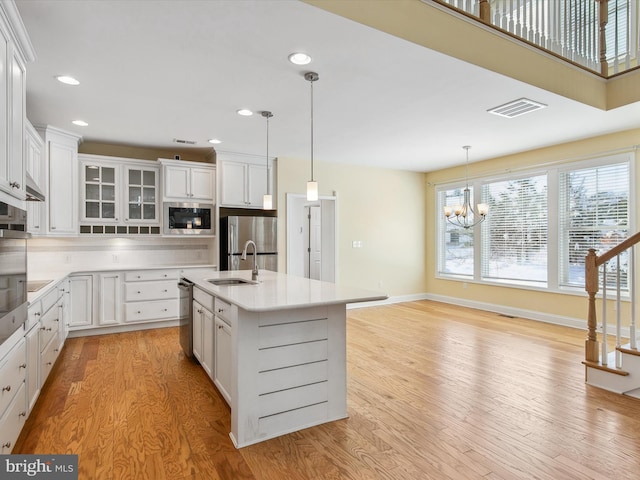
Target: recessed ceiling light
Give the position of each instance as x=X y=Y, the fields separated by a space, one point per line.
x=299 y=58
x=80 y=123
x=66 y=79
x=215 y=141
x=244 y=112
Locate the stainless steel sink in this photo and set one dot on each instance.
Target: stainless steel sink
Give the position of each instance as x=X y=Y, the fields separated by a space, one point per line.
x=220 y=282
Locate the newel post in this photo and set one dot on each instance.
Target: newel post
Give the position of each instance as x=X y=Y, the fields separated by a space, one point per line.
x=592 y=348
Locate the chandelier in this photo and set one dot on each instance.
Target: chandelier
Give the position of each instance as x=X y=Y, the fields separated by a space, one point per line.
x=464 y=215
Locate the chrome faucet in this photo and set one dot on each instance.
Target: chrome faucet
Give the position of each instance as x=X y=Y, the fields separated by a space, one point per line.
x=254 y=272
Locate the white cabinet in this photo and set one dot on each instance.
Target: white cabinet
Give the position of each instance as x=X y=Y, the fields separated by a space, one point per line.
x=33 y=365
x=81 y=301
x=61 y=170
x=203 y=330
x=34 y=166
x=188 y=181
x=15 y=52
x=244 y=180
x=13 y=397
x=151 y=295
x=223 y=352
x=109 y=298
x=117 y=193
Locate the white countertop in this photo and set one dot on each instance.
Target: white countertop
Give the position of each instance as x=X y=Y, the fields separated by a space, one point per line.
x=279 y=291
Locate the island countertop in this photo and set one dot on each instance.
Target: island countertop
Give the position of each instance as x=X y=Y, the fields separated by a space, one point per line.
x=279 y=291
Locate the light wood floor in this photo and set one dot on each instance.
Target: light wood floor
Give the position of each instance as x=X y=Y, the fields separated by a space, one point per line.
x=434 y=392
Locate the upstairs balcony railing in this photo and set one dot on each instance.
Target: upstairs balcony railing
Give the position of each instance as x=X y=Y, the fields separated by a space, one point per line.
x=599 y=35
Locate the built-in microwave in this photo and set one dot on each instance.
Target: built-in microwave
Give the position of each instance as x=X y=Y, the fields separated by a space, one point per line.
x=188 y=219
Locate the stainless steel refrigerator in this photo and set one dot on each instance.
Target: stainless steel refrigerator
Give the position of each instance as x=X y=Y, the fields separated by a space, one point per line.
x=234 y=233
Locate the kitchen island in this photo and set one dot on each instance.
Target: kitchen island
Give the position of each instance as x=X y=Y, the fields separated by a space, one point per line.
x=279 y=350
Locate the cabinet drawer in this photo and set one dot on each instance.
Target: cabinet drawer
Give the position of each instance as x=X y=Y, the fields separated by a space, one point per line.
x=48 y=358
x=203 y=298
x=146 y=275
x=155 y=310
x=223 y=310
x=50 y=326
x=150 y=290
x=33 y=314
x=13 y=369
x=12 y=421
x=49 y=300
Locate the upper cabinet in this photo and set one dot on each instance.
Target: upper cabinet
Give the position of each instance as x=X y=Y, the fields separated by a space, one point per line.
x=15 y=51
x=188 y=181
x=34 y=166
x=118 y=194
x=61 y=171
x=244 y=180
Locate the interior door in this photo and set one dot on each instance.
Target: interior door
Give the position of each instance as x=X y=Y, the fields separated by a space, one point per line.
x=315 y=242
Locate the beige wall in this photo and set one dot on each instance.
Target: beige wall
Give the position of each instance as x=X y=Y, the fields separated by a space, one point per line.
x=206 y=155
x=383 y=208
x=554 y=304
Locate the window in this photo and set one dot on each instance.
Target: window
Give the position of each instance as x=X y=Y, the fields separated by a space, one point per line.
x=540 y=225
x=514 y=241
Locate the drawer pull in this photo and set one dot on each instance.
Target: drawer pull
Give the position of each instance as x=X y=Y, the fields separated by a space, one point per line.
x=138 y=291
x=138 y=312
x=49 y=329
x=43 y=328
x=164 y=291
x=55 y=349
x=23 y=365
x=220 y=310
x=7 y=388
x=56 y=320
x=37 y=314
x=22 y=414
x=220 y=327
x=49 y=363
x=6 y=445
x=164 y=310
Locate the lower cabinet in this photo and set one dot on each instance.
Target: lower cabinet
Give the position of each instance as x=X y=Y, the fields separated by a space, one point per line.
x=151 y=295
x=13 y=397
x=81 y=301
x=203 y=330
x=32 y=339
x=222 y=377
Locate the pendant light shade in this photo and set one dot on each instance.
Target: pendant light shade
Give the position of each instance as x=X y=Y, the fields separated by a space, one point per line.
x=267 y=199
x=312 y=185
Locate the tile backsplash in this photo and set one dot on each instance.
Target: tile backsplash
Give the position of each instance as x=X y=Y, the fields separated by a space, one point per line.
x=54 y=256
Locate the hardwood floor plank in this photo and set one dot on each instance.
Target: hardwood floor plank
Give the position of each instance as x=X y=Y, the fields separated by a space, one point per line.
x=435 y=391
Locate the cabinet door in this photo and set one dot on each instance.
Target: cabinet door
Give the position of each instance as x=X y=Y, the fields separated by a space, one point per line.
x=35 y=215
x=257 y=184
x=176 y=182
x=110 y=299
x=33 y=365
x=207 y=342
x=62 y=198
x=4 y=110
x=81 y=301
x=100 y=192
x=223 y=367
x=202 y=184
x=17 y=123
x=141 y=205
x=233 y=184
x=198 y=313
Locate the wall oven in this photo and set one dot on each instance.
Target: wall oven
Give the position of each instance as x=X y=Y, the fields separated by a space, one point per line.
x=188 y=219
x=13 y=269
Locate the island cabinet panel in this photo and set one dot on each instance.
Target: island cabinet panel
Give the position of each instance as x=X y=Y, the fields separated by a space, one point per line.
x=289 y=371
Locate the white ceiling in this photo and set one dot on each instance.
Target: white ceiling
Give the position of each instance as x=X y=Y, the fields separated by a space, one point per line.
x=155 y=70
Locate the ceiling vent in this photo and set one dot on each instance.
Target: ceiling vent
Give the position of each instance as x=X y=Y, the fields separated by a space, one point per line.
x=184 y=142
x=516 y=108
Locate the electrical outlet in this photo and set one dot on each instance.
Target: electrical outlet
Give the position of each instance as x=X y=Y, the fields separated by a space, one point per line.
x=115 y=259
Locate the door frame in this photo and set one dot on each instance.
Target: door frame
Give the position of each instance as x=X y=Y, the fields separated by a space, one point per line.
x=296 y=204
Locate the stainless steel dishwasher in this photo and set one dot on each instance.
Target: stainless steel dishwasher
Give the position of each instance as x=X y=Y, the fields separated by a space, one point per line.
x=186 y=316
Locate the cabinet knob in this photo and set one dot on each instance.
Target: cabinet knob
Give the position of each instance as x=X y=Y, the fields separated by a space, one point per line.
x=7 y=388
x=49 y=329
x=165 y=310
x=14 y=185
x=220 y=327
x=138 y=291
x=22 y=414
x=164 y=291
x=55 y=350
x=220 y=310
x=23 y=365
x=138 y=312
x=49 y=363
x=6 y=445
x=43 y=328
x=37 y=314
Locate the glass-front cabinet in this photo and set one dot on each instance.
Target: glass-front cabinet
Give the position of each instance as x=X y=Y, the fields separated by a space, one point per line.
x=142 y=191
x=118 y=196
x=99 y=192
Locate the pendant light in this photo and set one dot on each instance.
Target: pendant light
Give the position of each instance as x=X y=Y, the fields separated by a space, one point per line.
x=312 y=185
x=462 y=213
x=267 y=199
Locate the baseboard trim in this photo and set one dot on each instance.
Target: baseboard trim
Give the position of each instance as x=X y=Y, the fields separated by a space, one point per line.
x=560 y=320
x=87 y=332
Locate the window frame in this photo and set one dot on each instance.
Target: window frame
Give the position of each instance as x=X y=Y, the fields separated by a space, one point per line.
x=554 y=229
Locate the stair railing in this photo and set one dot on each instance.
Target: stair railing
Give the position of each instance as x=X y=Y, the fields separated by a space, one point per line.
x=593 y=264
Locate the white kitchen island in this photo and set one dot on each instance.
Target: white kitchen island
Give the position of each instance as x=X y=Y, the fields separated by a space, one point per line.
x=284 y=363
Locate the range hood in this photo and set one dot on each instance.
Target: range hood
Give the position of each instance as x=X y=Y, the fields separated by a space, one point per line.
x=34 y=194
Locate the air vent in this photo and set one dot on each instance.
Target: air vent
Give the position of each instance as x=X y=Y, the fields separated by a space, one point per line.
x=184 y=142
x=516 y=108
